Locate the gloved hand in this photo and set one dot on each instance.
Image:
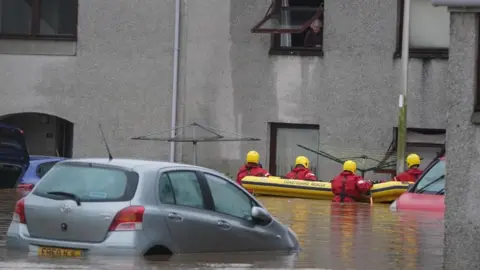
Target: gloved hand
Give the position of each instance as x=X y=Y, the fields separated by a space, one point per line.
x=373 y=182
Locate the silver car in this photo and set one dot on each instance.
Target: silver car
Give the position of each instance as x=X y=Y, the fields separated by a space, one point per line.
x=137 y=207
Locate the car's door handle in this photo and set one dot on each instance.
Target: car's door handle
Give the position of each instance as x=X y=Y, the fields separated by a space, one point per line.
x=175 y=217
x=223 y=225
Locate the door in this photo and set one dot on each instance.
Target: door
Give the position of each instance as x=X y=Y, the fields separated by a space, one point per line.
x=183 y=207
x=285 y=139
x=236 y=229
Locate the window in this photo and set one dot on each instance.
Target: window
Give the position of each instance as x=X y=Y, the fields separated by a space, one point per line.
x=165 y=190
x=296 y=27
x=89 y=182
x=429 y=30
x=43 y=168
x=428 y=143
x=433 y=182
x=284 y=141
x=476 y=108
x=228 y=199
x=39 y=19
x=181 y=188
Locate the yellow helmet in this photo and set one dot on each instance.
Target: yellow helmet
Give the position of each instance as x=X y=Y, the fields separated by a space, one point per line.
x=253 y=157
x=412 y=160
x=350 y=166
x=302 y=160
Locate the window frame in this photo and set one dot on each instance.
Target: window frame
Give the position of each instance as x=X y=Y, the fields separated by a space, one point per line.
x=275 y=35
x=274 y=127
x=424 y=53
x=476 y=98
x=207 y=201
x=35 y=26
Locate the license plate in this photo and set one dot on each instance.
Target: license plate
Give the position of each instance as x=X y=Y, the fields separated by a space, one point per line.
x=59 y=252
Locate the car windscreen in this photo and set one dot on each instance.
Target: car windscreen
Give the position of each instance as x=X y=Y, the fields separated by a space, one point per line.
x=88 y=182
x=433 y=181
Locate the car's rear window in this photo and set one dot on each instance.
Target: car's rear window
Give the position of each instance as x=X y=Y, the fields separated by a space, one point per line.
x=89 y=182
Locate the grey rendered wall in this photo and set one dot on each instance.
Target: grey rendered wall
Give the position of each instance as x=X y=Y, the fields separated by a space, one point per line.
x=462 y=217
x=120 y=76
x=230 y=82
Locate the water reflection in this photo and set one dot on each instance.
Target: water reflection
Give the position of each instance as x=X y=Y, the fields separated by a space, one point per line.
x=332 y=236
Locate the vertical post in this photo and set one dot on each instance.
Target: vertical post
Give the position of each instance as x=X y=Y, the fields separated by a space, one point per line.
x=194 y=153
x=176 y=48
x=402 y=103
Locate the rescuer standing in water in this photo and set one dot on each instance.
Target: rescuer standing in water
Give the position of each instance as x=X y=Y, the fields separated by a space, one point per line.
x=349 y=187
x=252 y=167
x=301 y=170
x=413 y=172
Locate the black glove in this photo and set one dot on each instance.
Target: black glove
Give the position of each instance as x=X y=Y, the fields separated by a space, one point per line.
x=373 y=182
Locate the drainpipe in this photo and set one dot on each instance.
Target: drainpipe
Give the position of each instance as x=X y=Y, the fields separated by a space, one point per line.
x=175 y=79
x=402 y=104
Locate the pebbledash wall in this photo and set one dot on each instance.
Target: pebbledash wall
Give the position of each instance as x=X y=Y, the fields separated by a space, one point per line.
x=462 y=219
x=119 y=73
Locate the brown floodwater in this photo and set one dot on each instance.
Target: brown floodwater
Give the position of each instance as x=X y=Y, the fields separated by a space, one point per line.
x=332 y=236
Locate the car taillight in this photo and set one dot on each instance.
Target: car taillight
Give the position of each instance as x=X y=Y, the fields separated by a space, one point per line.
x=19 y=214
x=128 y=219
x=25 y=187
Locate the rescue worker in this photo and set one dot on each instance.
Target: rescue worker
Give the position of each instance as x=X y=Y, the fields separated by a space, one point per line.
x=301 y=170
x=413 y=172
x=349 y=187
x=252 y=167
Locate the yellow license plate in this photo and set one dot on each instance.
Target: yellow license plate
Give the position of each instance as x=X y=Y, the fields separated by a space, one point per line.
x=59 y=252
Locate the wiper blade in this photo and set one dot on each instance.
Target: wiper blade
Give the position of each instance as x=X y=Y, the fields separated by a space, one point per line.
x=66 y=194
x=431 y=183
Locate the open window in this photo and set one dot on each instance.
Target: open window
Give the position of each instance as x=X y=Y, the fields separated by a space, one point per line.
x=296 y=27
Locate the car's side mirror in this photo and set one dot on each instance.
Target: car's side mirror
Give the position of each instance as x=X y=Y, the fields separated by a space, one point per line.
x=261 y=215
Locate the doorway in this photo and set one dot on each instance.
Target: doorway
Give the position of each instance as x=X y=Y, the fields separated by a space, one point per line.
x=45 y=134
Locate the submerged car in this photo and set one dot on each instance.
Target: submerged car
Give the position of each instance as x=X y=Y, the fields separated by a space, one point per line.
x=136 y=207
x=14 y=157
x=428 y=193
x=37 y=168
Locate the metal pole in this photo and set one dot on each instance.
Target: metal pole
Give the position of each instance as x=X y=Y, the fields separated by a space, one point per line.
x=402 y=104
x=194 y=153
x=176 y=48
x=194 y=147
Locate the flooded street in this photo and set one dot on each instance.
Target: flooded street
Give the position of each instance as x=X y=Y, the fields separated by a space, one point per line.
x=357 y=236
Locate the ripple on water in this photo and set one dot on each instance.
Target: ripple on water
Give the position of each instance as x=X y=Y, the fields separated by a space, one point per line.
x=332 y=236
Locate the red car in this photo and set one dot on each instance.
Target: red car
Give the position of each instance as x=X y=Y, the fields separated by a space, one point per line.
x=428 y=193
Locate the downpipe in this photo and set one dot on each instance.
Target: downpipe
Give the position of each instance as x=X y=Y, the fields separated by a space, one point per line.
x=176 y=49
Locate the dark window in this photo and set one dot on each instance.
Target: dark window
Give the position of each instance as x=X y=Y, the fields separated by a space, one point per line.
x=429 y=30
x=296 y=27
x=229 y=199
x=43 y=168
x=89 y=182
x=476 y=108
x=181 y=188
x=39 y=19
